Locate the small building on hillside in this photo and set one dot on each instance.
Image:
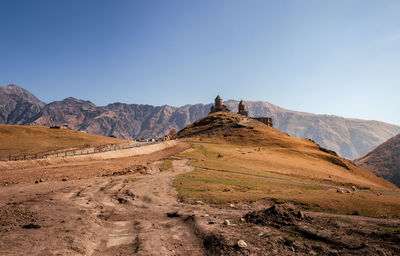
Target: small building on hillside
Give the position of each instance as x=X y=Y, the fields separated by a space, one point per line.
x=242 y=110
x=265 y=120
x=219 y=106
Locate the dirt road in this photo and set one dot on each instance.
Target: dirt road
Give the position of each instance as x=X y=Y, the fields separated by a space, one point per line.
x=118 y=215
x=133 y=213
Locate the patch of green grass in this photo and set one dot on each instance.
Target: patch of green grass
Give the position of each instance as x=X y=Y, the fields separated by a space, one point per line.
x=272 y=234
x=218 y=187
x=166 y=165
x=131 y=179
x=389 y=228
x=288 y=240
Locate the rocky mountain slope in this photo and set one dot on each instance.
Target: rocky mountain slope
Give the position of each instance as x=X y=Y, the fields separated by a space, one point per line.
x=348 y=137
x=18 y=106
x=384 y=160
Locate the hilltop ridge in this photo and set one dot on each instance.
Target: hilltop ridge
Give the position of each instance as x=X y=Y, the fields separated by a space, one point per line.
x=285 y=154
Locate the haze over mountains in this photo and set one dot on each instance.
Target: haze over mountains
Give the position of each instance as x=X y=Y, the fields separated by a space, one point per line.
x=350 y=138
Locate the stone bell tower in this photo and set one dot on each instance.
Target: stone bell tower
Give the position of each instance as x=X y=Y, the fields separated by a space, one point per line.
x=219 y=106
x=242 y=110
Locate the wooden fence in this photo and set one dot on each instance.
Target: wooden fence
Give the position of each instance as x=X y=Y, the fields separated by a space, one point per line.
x=77 y=152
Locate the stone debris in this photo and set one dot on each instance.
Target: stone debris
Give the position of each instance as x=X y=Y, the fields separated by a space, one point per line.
x=227 y=223
x=276 y=215
x=241 y=244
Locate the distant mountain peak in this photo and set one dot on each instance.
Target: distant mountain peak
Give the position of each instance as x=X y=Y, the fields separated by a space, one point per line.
x=15 y=91
x=18 y=106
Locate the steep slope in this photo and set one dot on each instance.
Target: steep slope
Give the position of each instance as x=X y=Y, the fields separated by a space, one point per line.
x=17 y=105
x=350 y=138
x=384 y=160
x=277 y=152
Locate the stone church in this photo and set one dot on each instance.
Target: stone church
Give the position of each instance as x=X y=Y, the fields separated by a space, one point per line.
x=242 y=110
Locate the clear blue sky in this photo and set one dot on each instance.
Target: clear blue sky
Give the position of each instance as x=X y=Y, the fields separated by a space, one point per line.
x=331 y=57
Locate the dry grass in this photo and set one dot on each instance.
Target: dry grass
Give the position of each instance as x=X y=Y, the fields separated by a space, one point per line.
x=249 y=145
x=166 y=165
x=278 y=163
x=224 y=188
x=247 y=161
x=19 y=140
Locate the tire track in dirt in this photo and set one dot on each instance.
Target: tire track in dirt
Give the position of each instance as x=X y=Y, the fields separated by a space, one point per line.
x=138 y=215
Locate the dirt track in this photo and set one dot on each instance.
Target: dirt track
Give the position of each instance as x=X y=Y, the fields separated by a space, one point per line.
x=117 y=215
x=122 y=214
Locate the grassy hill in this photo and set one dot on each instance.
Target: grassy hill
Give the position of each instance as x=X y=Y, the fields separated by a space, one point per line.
x=240 y=159
x=17 y=140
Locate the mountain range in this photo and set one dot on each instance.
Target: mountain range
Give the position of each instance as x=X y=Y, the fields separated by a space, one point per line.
x=350 y=138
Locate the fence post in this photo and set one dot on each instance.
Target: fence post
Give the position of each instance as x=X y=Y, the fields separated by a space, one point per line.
x=9 y=158
x=24 y=157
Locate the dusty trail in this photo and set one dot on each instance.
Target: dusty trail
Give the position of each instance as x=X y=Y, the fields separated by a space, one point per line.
x=126 y=213
x=135 y=215
x=120 y=215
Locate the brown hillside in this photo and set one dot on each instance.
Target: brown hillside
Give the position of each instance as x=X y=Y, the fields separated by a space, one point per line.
x=384 y=160
x=19 y=140
x=276 y=152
